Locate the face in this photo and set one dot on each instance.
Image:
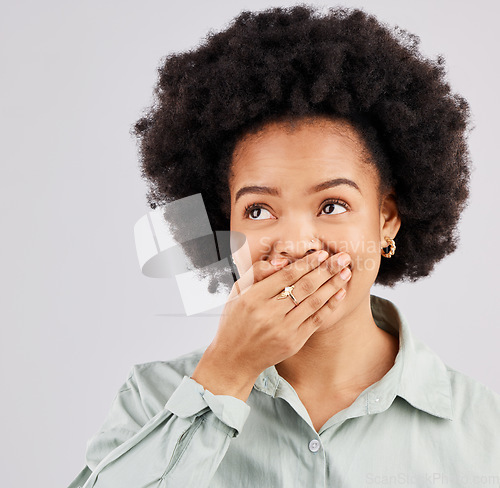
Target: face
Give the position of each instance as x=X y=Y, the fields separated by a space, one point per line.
x=289 y=187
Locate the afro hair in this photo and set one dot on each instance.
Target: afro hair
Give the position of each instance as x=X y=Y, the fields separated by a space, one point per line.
x=294 y=62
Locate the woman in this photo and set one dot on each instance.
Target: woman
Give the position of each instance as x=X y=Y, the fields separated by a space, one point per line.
x=326 y=141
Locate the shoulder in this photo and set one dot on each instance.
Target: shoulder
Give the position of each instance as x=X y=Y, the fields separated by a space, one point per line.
x=155 y=381
x=472 y=400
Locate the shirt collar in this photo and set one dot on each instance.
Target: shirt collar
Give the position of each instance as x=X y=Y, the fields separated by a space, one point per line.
x=418 y=374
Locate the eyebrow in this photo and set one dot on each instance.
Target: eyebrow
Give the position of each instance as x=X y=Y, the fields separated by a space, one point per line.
x=266 y=190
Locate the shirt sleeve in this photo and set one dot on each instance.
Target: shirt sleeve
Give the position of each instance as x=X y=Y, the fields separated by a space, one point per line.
x=182 y=445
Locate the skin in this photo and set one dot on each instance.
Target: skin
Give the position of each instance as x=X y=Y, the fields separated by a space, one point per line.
x=337 y=356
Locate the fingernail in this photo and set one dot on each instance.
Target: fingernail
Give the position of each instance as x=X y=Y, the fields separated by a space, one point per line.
x=344 y=259
x=279 y=261
x=322 y=255
x=345 y=273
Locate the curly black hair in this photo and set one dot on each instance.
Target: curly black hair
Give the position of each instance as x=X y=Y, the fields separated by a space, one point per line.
x=286 y=63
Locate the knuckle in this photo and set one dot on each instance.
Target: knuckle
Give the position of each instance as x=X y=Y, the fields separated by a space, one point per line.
x=258 y=318
x=248 y=304
x=288 y=274
x=307 y=287
x=309 y=264
x=285 y=352
x=332 y=266
x=283 y=335
x=315 y=302
x=280 y=343
x=316 y=320
x=288 y=347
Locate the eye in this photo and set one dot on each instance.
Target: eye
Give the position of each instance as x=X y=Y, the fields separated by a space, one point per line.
x=333 y=207
x=255 y=211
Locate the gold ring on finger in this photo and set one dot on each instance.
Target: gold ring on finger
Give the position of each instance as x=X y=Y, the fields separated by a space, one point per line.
x=287 y=292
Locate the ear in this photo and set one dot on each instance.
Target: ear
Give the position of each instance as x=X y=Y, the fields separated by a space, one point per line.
x=390 y=221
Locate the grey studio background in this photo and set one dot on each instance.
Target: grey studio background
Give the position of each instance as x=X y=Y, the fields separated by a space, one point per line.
x=76 y=312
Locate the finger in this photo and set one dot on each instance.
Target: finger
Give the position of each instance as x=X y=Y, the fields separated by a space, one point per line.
x=308 y=309
x=322 y=316
x=289 y=274
x=309 y=283
x=257 y=272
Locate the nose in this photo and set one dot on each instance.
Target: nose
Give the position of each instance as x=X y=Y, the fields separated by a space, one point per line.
x=298 y=247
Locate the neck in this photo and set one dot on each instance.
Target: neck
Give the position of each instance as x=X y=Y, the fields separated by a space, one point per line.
x=346 y=357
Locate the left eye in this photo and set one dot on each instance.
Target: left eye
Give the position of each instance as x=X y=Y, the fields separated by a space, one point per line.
x=332 y=208
x=254 y=212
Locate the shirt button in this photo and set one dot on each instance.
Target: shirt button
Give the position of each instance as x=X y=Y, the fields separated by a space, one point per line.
x=314 y=445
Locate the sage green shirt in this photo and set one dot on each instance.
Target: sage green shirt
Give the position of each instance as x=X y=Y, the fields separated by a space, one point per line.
x=423 y=425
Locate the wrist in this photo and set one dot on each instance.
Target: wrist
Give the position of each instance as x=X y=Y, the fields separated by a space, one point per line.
x=219 y=377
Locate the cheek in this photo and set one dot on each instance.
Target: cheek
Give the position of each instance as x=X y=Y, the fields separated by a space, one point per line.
x=364 y=251
x=259 y=247
x=368 y=262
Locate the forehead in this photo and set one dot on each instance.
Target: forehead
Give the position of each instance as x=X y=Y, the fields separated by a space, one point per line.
x=297 y=154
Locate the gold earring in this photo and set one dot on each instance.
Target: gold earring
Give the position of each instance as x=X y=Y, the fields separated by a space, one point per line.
x=392 y=246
